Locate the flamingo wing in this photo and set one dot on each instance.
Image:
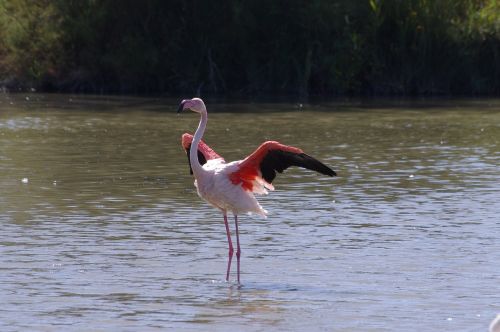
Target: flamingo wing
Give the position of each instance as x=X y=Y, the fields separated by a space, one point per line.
x=272 y=157
x=205 y=153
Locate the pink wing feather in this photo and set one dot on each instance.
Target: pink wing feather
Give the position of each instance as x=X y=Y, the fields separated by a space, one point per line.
x=270 y=157
x=205 y=153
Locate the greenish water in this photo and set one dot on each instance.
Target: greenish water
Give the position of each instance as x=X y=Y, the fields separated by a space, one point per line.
x=102 y=229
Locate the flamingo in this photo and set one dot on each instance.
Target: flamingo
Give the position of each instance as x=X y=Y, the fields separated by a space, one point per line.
x=230 y=187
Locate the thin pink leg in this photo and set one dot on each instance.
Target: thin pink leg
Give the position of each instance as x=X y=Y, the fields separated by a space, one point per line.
x=238 y=249
x=230 y=247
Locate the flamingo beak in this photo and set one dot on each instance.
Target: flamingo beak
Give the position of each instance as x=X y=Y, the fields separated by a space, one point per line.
x=181 y=106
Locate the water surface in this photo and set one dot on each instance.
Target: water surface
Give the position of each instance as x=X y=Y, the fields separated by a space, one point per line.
x=102 y=229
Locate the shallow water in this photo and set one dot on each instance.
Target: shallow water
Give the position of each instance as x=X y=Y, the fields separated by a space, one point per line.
x=102 y=229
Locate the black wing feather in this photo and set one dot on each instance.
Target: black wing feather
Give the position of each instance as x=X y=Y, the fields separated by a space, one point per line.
x=279 y=160
x=201 y=158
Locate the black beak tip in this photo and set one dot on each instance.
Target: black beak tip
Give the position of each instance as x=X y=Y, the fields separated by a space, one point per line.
x=181 y=107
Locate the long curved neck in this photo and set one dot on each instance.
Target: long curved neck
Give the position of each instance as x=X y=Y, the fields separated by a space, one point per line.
x=193 y=153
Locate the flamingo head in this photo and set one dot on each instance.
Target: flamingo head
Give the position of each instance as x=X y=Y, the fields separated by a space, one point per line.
x=196 y=105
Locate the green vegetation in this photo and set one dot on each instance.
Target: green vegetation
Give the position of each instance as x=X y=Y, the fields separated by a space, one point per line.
x=372 y=47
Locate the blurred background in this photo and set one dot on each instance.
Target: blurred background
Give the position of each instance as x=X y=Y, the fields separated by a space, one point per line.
x=252 y=48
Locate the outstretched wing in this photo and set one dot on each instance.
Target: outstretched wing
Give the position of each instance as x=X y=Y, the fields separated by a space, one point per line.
x=205 y=153
x=272 y=157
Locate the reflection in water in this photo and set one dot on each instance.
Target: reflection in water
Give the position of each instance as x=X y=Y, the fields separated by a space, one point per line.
x=107 y=232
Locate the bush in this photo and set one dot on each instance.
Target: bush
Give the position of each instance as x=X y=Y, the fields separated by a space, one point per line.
x=375 y=47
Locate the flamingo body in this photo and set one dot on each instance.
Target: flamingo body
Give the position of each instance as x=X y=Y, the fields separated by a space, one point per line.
x=219 y=187
x=230 y=187
x=253 y=175
x=220 y=191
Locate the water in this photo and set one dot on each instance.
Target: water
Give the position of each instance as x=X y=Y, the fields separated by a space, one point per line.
x=102 y=229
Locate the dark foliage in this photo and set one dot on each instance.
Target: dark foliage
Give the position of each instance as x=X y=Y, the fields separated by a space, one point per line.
x=252 y=47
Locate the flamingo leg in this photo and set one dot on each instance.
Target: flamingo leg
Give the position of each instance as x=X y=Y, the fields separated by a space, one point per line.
x=230 y=247
x=238 y=249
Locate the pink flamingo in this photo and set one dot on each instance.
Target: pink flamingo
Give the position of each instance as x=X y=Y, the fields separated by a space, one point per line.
x=230 y=187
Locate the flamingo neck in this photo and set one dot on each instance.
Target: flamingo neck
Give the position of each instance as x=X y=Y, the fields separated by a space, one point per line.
x=193 y=153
